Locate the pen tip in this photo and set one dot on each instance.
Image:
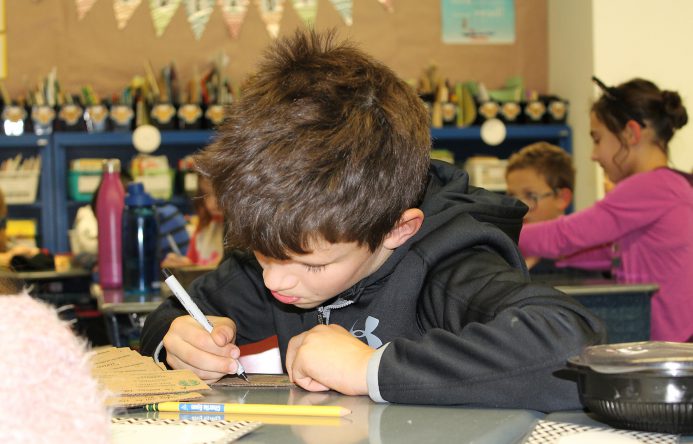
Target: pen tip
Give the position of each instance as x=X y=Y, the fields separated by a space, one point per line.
x=245 y=377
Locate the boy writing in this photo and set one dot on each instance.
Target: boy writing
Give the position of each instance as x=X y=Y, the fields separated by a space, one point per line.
x=380 y=271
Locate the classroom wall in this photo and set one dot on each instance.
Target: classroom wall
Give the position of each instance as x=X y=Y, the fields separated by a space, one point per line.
x=652 y=40
x=46 y=33
x=570 y=68
x=618 y=40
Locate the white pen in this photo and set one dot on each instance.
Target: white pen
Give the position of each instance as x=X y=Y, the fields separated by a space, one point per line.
x=193 y=310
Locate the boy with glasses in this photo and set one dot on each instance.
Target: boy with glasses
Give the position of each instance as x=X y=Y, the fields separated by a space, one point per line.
x=542 y=176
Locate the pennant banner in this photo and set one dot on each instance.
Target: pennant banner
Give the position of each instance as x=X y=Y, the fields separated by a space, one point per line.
x=388 y=4
x=271 y=12
x=344 y=7
x=234 y=13
x=162 y=12
x=123 y=10
x=198 y=13
x=307 y=10
x=83 y=6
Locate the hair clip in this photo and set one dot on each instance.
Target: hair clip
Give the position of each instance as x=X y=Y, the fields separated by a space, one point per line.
x=614 y=95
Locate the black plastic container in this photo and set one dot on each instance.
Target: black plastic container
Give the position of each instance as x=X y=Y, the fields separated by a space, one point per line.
x=638 y=385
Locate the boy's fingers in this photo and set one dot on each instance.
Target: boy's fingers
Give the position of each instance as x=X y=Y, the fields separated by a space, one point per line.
x=205 y=375
x=291 y=351
x=308 y=383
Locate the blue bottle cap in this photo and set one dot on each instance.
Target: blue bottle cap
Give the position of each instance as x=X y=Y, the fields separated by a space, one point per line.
x=137 y=197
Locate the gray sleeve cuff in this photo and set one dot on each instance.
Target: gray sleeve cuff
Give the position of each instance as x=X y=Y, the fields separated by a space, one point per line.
x=372 y=375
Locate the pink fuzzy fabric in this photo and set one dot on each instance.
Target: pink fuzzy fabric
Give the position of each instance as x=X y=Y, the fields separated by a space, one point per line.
x=48 y=393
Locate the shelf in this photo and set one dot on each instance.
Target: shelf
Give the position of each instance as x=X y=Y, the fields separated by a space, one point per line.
x=516 y=137
x=513 y=132
x=68 y=146
x=55 y=211
x=42 y=209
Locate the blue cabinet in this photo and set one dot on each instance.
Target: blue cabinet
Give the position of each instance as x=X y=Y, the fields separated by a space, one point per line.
x=68 y=146
x=42 y=209
x=466 y=142
x=55 y=211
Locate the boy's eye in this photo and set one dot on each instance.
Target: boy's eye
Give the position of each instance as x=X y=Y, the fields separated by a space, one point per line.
x=315 y=268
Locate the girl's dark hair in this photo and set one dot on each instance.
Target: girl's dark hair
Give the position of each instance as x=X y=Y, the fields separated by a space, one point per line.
x=642 y=101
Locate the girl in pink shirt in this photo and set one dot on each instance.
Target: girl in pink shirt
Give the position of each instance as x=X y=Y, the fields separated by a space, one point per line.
x=643 y=229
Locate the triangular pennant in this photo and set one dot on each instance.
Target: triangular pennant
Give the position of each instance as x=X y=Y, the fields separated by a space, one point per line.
x=344 y=7
x=198 y=12
x=307 y=10
x=234 y=13
x=271 y=12
x=83 y=6
x=388 y=4
x=162 y=12
x=123 y=10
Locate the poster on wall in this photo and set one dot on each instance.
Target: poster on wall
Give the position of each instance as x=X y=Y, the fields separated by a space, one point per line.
x=478 y=22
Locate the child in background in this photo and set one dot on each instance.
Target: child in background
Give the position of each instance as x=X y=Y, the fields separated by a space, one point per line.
x=207 y=242
x=542 y=176
x=380 y=271
x=643 y=228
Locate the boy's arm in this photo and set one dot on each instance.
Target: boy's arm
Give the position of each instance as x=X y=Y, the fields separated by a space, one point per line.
x=234 y=290
x=489 y=339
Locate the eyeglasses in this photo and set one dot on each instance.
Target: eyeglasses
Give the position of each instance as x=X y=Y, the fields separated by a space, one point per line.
x=614 y=96
x=532 y=199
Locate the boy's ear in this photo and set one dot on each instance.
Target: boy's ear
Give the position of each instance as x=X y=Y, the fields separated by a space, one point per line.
x=407 y=226
x=565 y=196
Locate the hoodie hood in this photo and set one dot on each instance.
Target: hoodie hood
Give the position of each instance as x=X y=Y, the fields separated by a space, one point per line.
x=457 y=216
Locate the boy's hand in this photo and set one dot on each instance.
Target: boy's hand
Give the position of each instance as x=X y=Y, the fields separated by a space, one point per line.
x=209 y=356
x=329 y=357
x=174 y=260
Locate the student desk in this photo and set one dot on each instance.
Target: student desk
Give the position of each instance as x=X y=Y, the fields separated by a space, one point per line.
x=117 y=306
x=369 y=422
x=377 y=423
x=625 y=308
x=124 y=314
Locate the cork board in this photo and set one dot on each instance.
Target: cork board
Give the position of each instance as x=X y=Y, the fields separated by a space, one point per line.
x=46 y=33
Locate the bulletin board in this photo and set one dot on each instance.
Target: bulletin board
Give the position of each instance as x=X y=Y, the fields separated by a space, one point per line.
x=45 y=33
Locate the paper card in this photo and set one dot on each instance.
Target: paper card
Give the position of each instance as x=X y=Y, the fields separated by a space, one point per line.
x=152 y=431
x=140 y=400
x=256 y=380
x=171 y=381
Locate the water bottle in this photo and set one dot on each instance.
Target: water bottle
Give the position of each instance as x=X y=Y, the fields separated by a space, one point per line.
x=140 y=242
x=109 y=211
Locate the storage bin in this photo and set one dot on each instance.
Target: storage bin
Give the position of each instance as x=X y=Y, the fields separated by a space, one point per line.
x=486 y=172
x=19 y=187
x=83 y=184
x=159 y=186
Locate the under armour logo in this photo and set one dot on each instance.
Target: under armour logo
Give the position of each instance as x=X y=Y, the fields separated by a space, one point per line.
x=371 y=324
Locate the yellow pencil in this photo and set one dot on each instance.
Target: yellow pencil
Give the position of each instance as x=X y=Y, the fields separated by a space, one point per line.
x=250 y=409
x=324 y=421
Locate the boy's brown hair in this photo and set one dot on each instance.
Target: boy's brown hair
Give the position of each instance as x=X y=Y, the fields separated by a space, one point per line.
x=325 y=143
x=549 y=161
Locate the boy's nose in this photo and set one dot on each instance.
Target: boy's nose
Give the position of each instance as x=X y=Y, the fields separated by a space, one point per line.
x=278 y=279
